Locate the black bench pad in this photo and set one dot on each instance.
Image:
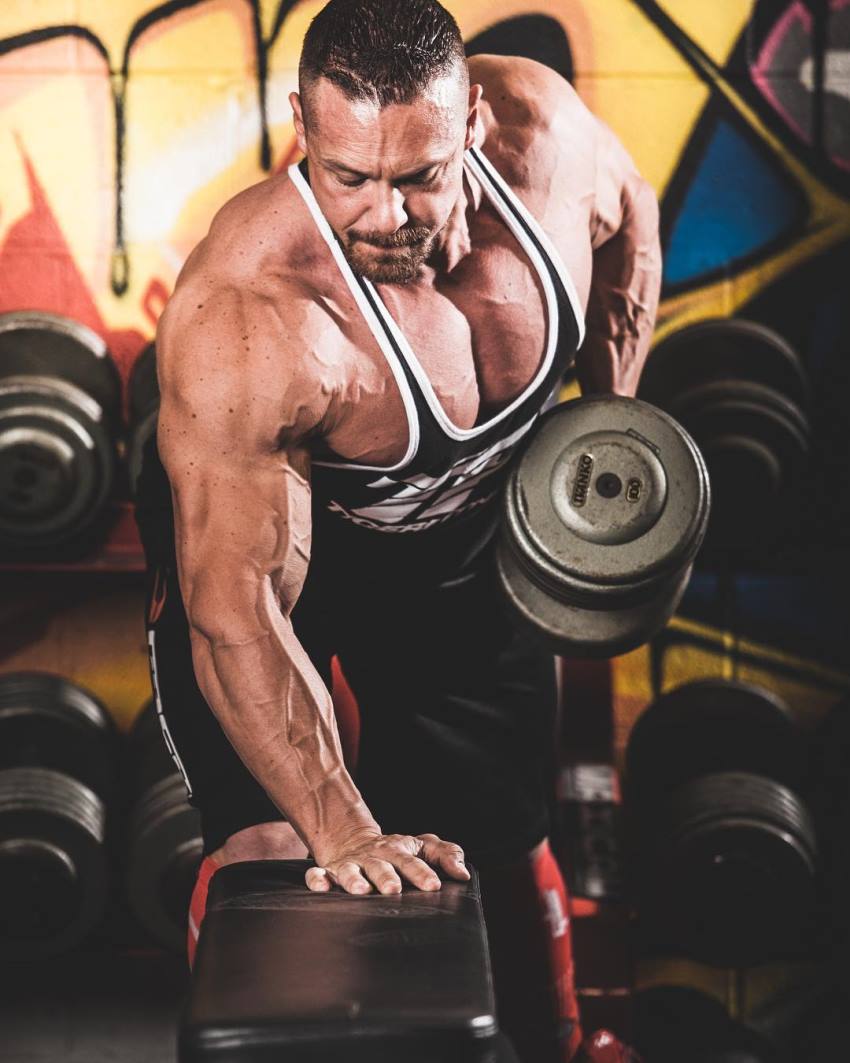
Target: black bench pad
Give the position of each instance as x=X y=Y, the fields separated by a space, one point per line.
x=288 y=975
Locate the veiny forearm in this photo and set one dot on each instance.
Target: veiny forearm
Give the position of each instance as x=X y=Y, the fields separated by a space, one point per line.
x=623 y=300
x=279 y=716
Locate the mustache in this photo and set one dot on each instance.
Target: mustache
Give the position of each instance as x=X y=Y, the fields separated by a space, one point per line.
x=407 y=236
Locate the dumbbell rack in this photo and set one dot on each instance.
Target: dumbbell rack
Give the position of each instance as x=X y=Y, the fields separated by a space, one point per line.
x=118 y=972
x=119 y=550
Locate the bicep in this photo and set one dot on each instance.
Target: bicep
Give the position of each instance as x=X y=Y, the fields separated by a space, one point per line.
x=241 y=497
x=242 y=533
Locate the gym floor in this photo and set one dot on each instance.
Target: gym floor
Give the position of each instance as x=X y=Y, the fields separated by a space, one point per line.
x=94 y=1006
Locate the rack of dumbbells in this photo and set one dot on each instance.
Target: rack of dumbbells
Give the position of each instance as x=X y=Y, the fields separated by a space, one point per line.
x=706 y=857
x=98 y=844
x=725 y=852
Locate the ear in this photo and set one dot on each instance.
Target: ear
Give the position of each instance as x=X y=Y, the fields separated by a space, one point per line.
x=298 y=120
x=475 y=94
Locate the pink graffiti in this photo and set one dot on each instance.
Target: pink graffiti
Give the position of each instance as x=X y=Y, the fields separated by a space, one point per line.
x=769 y=75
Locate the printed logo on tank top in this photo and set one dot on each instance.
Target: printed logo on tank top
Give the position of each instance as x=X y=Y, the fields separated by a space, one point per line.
x=447 y=472
x=420 y=502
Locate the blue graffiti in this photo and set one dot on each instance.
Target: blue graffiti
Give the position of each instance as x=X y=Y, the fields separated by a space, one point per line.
x=736 y=204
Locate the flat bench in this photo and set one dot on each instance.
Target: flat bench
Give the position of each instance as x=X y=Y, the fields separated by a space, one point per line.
x=285 y=974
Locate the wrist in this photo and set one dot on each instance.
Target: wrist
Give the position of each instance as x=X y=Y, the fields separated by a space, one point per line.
x=342 y=836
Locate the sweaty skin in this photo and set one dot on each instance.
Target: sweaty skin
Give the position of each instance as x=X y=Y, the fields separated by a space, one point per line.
x=262 y=350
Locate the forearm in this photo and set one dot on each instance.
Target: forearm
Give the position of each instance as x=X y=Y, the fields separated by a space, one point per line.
x=277 y=713
x=623 y=301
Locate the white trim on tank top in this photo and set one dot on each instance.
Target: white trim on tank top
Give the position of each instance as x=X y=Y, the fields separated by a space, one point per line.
x=488 y=179
x=440 y=415
x=374 y=324
x=533 y=224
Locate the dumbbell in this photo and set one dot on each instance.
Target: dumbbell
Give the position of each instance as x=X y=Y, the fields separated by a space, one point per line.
x=56 y=779
x=59 y=417
x=604 y=511
x=741 y=391
x=674 y=1024
x=143 y=391
x=164 y=835
x=724 y=853
x=829 y=789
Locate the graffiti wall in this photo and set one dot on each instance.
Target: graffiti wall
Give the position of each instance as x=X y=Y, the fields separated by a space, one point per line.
x=124 y=125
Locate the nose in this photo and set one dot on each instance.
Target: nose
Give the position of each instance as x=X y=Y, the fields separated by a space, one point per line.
x=386 y=213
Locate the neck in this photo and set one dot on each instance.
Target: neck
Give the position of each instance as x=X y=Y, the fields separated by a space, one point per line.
x=454 y=242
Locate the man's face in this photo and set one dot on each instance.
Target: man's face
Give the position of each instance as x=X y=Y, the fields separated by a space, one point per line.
x=386 y=178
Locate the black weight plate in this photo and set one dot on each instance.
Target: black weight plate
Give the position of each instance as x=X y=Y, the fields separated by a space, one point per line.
x=48 y=722
x=729 y=348
x=755 y=454
x=679 y=1024
x=143 y=389
x=707 y=726
x=148 y=759
x=53 y=866
x=178 y=881
x=165 y=849
x=704 y=396
x=765 y=424
x=731 y=878
x=57 y=459
x=734 y=431
x=712 y=800
x=141 y=432
x=829 y=789
x=144 y=408
x=164 y=836
x=41 y=344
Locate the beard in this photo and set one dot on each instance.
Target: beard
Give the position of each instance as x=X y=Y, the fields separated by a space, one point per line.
x=405 y=252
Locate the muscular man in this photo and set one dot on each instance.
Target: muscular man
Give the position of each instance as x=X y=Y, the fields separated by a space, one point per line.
x=346 y=365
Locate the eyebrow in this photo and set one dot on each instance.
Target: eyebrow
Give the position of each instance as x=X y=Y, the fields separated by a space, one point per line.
x=342 y=168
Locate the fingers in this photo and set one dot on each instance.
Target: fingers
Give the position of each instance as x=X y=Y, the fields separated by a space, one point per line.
x=318 y=880
x=383 y=875
x=417 y=872
x=352 y=880
x=446 y=855
x=389 y=860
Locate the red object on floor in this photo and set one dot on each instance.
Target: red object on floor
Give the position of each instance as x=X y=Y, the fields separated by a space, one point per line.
x=604 y=1047
x=528 y=926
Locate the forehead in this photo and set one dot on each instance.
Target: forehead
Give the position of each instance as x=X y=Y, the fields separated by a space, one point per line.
x=369 y=138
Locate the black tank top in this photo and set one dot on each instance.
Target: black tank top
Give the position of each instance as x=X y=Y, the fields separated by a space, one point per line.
x=443 y=492
x=447 y=472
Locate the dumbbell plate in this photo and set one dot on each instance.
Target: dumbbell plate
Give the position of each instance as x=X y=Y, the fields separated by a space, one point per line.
x=722 y=348
x=36 y=343
x=708 y=726
x=731 y=878
x=142 y=387
x=59 y=409
x=679 y=1024
x=164 y=836
x=166 y=849
x=597 y=535
x=604 y=511
x=53 y=870
x=144 y=410
x=48 y=722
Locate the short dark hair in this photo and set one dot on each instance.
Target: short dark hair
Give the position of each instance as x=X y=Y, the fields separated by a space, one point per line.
x=383 y=50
